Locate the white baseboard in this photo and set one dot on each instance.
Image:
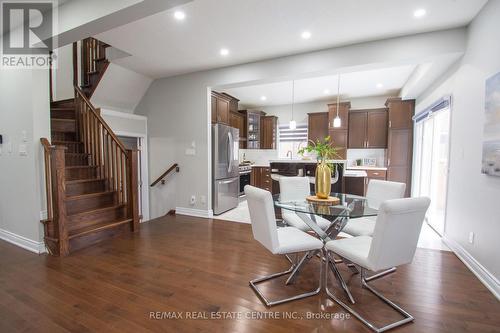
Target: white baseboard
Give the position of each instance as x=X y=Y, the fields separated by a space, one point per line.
x=194 y=212
x=488 y=279
x=21 y=241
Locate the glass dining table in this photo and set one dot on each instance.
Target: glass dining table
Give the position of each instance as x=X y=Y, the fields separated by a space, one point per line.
x=348 y=206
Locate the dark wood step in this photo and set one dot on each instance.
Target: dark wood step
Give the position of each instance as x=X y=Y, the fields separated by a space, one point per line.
x=62 y=136
x=62 y=125
x=75 y=147
x=64 y=103
x=97 y=228
x=95 y=216
x=85 y=202
x=84 y=238
x=62 y=113
x=73 y=159
x=81 y=172
x=85 y=186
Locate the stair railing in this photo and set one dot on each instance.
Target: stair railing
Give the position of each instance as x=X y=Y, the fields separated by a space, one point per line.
x=165 y=174
x=112 y=160
x=55 y=225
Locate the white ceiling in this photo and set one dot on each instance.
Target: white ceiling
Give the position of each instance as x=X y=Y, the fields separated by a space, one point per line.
x=260 y=29
x=352 y=85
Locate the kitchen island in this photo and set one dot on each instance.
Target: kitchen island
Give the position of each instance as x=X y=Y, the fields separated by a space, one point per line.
x=305 y=168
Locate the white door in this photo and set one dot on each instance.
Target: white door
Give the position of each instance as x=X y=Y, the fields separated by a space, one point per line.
x=431 y=164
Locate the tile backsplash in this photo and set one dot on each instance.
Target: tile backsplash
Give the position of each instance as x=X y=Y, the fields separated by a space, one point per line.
x=259 y=156
x=354 y=154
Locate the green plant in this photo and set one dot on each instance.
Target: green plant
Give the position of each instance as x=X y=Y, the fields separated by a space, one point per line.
x=324 y=149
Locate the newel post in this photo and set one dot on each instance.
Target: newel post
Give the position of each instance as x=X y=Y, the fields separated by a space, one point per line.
x=133 y=200
x=58 y=174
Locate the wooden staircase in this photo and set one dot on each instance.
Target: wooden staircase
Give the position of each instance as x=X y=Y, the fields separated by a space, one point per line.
x=91 y=178
x=94 y=64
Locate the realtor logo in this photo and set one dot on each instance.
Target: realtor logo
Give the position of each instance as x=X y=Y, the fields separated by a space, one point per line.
x=27 y=31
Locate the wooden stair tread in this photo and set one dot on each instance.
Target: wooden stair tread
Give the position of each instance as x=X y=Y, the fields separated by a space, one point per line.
x=98 y=210
x=63 y=119
x=78 y=154
x=62 y=108
x=88 y=195
x=88 y=180
x=97 y=227
x=93 y=72
x=99 y=59
x=81 y=166
x=66 y=142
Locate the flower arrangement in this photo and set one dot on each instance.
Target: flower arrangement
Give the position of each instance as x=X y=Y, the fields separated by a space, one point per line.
x=324 y=149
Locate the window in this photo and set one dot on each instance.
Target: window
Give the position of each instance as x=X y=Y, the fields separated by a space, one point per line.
x=291 y=140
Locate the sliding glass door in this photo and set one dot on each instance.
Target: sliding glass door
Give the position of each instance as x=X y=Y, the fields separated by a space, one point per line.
x=432 y=136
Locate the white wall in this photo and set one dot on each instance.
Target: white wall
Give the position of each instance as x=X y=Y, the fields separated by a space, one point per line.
x=62 y=74
x=24 y=118
x=473 y=198
x=120 y=89
x=178 y=107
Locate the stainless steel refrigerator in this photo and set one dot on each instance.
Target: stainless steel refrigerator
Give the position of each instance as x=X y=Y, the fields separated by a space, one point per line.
x=225 y=162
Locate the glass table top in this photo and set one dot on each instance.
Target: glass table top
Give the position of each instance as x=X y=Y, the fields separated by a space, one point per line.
x=350 y=205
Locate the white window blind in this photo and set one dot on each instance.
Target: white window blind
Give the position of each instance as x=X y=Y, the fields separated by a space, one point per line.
x=298 y=134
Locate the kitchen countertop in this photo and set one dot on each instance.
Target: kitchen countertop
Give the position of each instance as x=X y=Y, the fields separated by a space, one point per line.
x=306 y=161
x=260 y=165
x=366 y=168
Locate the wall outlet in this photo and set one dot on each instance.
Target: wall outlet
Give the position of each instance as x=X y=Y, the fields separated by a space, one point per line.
x=203 y=199
x=190 y=152
x=471 y=237
x=192 y=201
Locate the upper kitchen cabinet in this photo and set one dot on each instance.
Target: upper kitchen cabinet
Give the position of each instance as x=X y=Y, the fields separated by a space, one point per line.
x=368 y=128
x=237 y=120
x=220 y=108
x=400 y=141
x=317 y=126
x=339 y=135
x=253 y=126
x=268 y=132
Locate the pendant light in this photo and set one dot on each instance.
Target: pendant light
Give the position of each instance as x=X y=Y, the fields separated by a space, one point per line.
x=293 y=124
x=337 y=122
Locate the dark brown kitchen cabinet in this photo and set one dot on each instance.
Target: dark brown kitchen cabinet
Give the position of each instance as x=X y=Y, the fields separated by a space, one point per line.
x=268 y=132
x=400 y=141
x=261 y=177
x=237 y=120
x=368 y=128
x=376 y=131
x=357 y=129
x=359 y=185
x=252 y=128
x=339 y=135
x=220 y=108
x=317 y=126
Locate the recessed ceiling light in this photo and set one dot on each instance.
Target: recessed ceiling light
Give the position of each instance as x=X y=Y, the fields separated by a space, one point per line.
x=179 y=15
x=224 y=52
x=419 y=13
x=306 y=35
x=380 y=85
x=326 y=91
x=263 y=98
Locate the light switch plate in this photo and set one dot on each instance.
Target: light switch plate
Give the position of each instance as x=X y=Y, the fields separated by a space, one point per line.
x=22 y=150
x=191 y=151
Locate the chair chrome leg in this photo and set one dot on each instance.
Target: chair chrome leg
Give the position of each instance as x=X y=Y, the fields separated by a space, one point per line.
x=302 y=262
x=381 y=274
x=253 y=285
x=407 y=317
x=340 y=279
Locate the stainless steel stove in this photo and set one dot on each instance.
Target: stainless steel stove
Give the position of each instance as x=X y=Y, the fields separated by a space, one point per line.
x=245 y=171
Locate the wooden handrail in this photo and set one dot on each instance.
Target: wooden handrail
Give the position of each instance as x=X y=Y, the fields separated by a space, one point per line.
x=159 y=179
x=47 y=147
x=101 y=120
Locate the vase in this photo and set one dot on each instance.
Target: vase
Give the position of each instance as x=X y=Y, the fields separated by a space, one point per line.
x=323 y=180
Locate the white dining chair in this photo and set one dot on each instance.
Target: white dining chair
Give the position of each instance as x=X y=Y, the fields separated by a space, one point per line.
x=296 y=189
x=377 y=192
x=394 y=243
x=281 y=241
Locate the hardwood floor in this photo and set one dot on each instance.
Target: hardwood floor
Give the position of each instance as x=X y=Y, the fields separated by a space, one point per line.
x=183 y=264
